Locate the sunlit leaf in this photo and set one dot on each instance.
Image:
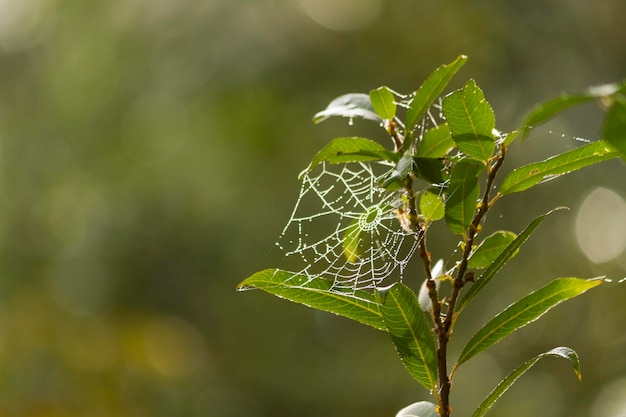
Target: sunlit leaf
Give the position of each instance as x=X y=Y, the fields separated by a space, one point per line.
x=511 y=136
x=490 y=248
x=524 y=311
x=383 y=102
x=436 y=143
x=411 y=333
x=350 y=245
x=419 y=409
x=509 y=380
x=431 y=205
x=353 y=105
x=471 y=121
x=614 y=126
x=430 y=90
x=509 y=252
x=463 y=194
x=357 y=305
x=351 y=149
x=530 y=175
x=548 y=109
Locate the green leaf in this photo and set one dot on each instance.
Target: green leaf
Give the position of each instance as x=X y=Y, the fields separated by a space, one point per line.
x=548 y=109
x=419 y=409
x=506 y=255
x=317 y=293
x=524 y=311
x=525 y=177
x=400 y=171
x=509 y=380
x=489 y=249
x=351 y=149
x=510 y=137
x=471 y=121
x=614 y=126
x=353 y=105
x=463 y=194
x=432 y=206
x=436 y=143
x=431 y=170
x=411 y=333
x=383 y=101
x=430 y=90
x=350 y=245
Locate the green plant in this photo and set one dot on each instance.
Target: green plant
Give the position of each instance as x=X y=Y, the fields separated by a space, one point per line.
x=382 y=203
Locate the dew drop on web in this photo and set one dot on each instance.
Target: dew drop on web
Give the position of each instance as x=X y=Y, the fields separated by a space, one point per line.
x=335 y=201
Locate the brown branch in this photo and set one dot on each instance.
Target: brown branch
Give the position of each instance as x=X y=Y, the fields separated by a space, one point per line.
x=443 y=326
x=483 y=207
x=420 y=229
x=396 y=136
x=459 y=281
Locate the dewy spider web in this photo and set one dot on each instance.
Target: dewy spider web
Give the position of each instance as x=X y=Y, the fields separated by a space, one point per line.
x=345 y=228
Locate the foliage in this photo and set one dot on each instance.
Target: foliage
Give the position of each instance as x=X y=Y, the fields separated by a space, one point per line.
x=458 y=158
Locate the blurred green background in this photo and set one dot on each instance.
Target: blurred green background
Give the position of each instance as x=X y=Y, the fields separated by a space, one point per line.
x=149 y=152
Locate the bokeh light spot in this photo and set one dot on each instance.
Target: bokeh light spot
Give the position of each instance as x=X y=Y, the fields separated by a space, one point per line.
x=23 y=23
x=344 y=15
x=611 y=401
x=601 y=225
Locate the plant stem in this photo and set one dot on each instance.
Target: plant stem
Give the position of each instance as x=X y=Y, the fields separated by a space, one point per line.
x=420 y=229
x=472 y=231
x=392 y=130
x=458 y=283
x=443 y=326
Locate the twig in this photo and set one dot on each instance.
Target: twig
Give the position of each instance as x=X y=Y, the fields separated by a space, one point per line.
x=459 y=281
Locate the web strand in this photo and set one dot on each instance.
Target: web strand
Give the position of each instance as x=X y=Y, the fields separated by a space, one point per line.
x=345 y=228
x=349 y=230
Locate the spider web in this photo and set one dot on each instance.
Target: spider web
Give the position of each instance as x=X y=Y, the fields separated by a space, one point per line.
x=346 y=228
